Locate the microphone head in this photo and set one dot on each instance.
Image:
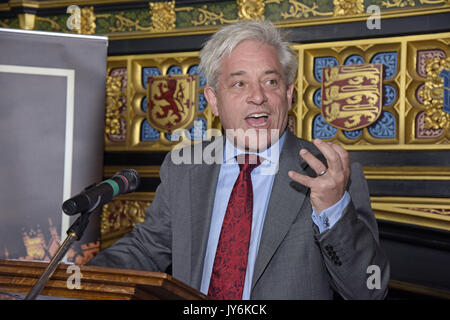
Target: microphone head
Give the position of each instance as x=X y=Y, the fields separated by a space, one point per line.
x=124 y=181
x=70 y=207
x=132 y=178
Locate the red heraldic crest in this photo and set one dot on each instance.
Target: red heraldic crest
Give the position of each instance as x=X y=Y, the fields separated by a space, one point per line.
x=171 y=101
x=352 y=95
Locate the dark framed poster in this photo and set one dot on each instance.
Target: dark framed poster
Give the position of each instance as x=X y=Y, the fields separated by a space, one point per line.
x=52 y=106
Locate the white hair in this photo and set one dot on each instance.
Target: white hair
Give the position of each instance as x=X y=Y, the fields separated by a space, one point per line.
x=226 y=39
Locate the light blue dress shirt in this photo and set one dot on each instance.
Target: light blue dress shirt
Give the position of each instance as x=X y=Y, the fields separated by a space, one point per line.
x=262 y=181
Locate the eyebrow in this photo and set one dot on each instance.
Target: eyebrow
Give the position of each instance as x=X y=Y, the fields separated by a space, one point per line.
x=237 y=73
x=272 y=71
x=240 y=73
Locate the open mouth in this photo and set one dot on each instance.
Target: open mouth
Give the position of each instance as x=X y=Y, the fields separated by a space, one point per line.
x=257 y=119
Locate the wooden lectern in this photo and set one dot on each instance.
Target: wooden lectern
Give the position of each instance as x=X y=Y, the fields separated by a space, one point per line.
x=97 y=283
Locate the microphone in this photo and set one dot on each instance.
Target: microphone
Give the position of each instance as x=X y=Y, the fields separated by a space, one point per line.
x=124 y=181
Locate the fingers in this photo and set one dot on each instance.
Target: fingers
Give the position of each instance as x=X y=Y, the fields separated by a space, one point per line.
x=302 y=179
x=344 y=157
x=312 y=161
x=336 y=156
x=330 y=153
x=328 y=188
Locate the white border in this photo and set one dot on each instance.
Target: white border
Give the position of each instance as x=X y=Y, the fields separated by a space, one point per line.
x=68 y=149
x=55 y=34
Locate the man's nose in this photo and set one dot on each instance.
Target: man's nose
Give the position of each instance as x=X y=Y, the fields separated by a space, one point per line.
x=256 y=94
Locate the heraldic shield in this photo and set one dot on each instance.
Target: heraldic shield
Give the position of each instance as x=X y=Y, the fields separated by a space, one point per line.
x=171 y=101
x=352 y=95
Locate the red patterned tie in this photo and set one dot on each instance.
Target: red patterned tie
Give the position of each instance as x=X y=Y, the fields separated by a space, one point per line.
x=230 y=263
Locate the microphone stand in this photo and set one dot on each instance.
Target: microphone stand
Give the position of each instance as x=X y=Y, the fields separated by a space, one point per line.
x=74 y=233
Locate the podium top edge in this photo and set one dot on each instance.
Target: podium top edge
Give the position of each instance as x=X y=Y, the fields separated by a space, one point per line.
x=113 y=283
x=41 y=265
x=56 y=34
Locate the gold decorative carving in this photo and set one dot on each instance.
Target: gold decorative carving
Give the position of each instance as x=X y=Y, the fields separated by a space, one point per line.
x=123 y=24
x=121 y=215
x=348 y=7
x=113 y=104
x=398 y=3
x=207 y=18
x=299 y=10
x=55 y=26
x=163 y=15
x=433 y=92
x=427 y=212
x=87 y=22
x=251 y=9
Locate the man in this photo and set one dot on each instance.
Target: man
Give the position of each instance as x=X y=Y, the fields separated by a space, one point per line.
x=234 y=231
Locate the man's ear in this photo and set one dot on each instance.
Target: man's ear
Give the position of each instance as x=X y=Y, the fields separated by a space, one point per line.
x=210 y=95
x=290 y=93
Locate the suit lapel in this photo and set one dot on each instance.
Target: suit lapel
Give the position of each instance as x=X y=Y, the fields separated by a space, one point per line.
x=286 y=199
x=203 y=179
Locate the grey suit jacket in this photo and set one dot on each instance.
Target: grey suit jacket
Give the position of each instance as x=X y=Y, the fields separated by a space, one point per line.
x=294 y=261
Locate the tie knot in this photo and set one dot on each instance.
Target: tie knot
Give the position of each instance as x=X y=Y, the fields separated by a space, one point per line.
x=248 y=162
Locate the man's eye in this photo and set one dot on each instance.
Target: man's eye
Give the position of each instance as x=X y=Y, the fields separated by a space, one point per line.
x=238 y=84
x=272 y=82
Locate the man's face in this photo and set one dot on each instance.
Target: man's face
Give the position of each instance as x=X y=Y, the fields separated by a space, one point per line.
x=252 y=94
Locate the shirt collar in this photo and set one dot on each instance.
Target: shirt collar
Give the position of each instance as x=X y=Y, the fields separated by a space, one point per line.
x=270 y=155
